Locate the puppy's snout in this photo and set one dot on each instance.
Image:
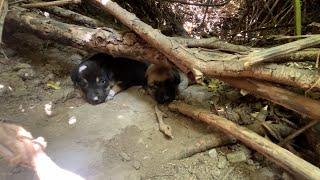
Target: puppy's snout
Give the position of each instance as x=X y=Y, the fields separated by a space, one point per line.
x=95 y=97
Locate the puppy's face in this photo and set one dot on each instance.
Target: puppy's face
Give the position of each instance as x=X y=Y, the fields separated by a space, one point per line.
x=93 y=80
x=162 y=83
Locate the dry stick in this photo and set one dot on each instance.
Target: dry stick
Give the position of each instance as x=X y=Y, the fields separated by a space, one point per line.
x=51 y=3
x=298 y=132
x=129 y=45
x=267 y=54
x=212 y=43
x=280 y=156
x=202 y=144
x=164 y=128
x=74 y=17
x=283 y=97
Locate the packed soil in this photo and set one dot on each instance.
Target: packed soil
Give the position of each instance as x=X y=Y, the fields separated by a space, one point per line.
x=118 y=139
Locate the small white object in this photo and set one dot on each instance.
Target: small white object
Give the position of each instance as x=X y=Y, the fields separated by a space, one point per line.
x=72 y=120
x=1 y=86
x=10 y=88
x=111 y=95
x=46 y=14
x=104 y=2
x=243 y=92
x=48 y=108
x=81 y=68
x=95 y=98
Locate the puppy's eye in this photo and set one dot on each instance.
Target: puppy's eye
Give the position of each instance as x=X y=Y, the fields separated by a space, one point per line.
x=103 y=81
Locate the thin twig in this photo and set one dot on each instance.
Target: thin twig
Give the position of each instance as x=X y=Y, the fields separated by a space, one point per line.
x=317 y=62
x=51 y=3
x=164 y=128
x=313 y=85
x=199 y=4
x=296 y=133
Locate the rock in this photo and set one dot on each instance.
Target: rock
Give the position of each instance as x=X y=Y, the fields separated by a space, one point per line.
x=136 y=165
x=237 y=156
x=222 y=162
x=196 y=94
x=263 y=174
x=26 y=74
x=21 y=66
x=213 y=153
x=125 y=157
x=250 y=162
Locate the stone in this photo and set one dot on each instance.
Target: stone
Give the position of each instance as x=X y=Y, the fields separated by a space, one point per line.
x=26 y=74
x=213 y=153
x=21 y=66
x=222 y=162
x=196 y=94
x=125 y=157
x=136 y=165
x=237 y=156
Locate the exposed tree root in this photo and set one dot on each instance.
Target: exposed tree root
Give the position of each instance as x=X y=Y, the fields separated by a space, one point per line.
x=275 y=153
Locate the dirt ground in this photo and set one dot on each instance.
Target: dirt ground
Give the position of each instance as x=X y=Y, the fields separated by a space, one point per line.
x=118 y=139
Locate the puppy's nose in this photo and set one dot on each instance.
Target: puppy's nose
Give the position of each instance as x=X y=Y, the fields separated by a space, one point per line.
x=95 y=99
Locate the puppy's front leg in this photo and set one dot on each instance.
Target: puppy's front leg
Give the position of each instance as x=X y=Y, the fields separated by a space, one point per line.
x=113 y=91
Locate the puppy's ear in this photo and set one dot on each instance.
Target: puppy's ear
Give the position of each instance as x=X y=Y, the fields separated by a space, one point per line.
x=75 y=76
x=176 y=77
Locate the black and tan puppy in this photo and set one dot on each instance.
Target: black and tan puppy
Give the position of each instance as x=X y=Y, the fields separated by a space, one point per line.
x=102 y=76
x=163 y=83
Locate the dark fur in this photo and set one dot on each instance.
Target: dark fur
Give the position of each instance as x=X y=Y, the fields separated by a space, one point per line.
x=162 y=83
x=110 y=72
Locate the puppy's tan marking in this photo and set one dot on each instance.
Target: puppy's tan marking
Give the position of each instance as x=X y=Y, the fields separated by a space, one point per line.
x=158 y=73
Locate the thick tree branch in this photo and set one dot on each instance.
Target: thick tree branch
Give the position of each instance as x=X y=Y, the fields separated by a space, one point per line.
x=190 y=61
x=278 y=155
x=267 y=54
x=126 y=44
x=283 y=97
x=100 y=40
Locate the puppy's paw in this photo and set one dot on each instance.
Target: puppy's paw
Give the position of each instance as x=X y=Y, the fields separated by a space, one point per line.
x=110 y=95
x=142 y=91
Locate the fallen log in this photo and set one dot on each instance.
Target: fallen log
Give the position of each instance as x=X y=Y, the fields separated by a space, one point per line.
x=191 y=62
x=293 y=101
x=282 y=157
